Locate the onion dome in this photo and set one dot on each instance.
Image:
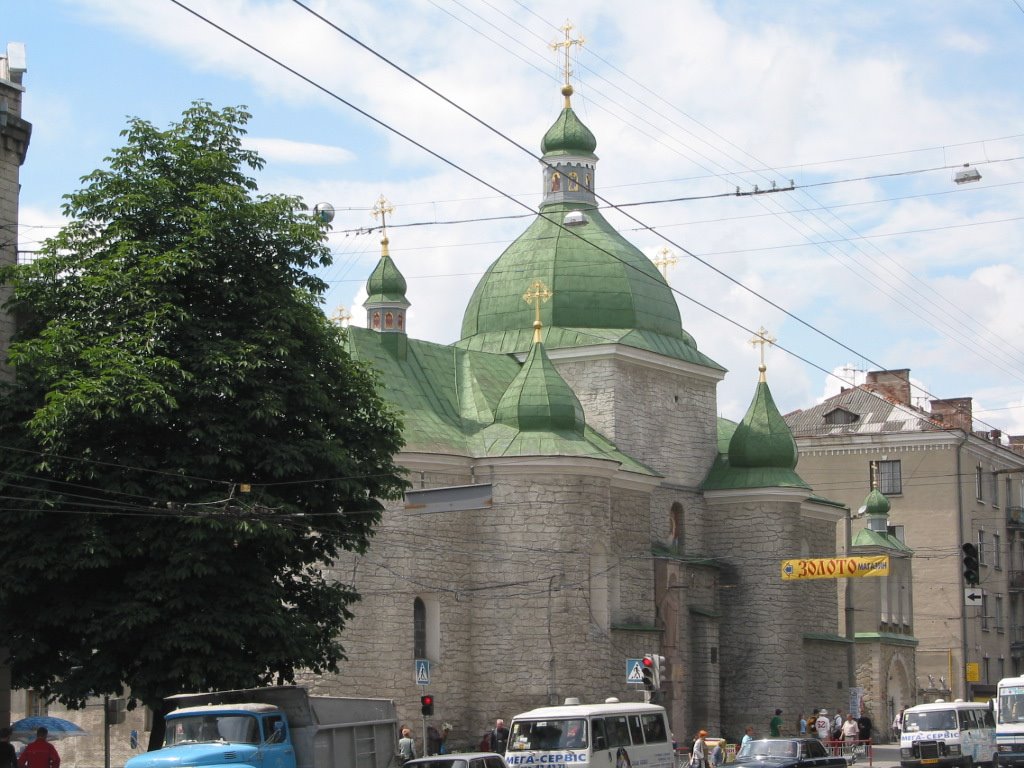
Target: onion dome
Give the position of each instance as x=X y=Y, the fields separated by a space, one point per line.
x=568 y=135
x=385 y=301
x=762 y=439
x=539 y=400
x=876 y=503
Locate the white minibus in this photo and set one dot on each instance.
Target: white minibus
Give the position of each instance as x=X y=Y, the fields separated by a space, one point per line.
x=609 y=735
x=957 y=733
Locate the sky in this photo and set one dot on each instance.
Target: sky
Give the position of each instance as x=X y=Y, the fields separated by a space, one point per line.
x=875 y=259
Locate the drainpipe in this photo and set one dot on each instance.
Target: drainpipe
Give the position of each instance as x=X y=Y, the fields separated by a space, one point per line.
x=851 y=661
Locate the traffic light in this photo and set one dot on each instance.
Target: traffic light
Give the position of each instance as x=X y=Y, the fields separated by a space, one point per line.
x=971 y=564
x=650 y=672
x=659 y=670
x=427 y=705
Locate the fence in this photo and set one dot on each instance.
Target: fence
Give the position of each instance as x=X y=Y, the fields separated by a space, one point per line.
x=853 y=751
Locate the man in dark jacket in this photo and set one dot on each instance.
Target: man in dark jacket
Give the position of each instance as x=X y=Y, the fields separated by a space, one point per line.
x=499 y=737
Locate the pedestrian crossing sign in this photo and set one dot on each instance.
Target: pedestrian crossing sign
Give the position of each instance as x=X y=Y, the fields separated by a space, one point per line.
x=635 y=671
x=422 y=671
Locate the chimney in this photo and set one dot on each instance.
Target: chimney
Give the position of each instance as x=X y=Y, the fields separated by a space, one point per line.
x=954 y=412
x=1016 y=443
x=894 y=385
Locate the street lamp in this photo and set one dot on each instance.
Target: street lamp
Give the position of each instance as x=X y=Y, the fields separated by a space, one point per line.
x=967 y=175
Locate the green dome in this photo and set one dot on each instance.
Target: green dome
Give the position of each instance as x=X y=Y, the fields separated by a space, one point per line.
x=538 y=399
x=386 y=283
x=876 y=503
x=568 y=136
x=598 y=280
x=763 y=440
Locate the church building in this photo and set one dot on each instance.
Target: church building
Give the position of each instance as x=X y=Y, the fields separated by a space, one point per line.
x=576 y=502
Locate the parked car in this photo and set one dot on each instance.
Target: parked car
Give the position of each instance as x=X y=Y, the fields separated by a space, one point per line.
x=459 y=760
x=787 y=753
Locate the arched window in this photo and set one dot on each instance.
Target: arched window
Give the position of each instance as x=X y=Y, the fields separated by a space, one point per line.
x=574 y=182
x=389 y=320
x=376 y=319
x=419 y=629
x=675 y=520
x=401 y=320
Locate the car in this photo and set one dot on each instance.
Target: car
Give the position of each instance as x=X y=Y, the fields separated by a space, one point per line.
x=459 y=760
x=787 y=753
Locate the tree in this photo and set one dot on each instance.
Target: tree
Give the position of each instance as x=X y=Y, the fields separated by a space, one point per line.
x=171 y=354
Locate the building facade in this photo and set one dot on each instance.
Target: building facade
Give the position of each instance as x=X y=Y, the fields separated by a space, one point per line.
x=948 y=485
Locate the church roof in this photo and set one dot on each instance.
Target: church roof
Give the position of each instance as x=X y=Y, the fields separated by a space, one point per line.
x=568 y=136
x=868 y=538
x=386 y=283
x=761 y=453
x=605 y=290
x=538 y=399
x=447 y=399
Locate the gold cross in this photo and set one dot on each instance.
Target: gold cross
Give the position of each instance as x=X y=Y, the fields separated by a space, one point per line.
x=567 y=44
x=536 y=294
x=763 y=338
x=665 y=260
x=382 y=208
x=341 y=316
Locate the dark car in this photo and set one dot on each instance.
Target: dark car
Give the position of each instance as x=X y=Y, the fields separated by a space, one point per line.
x=459 y=760
x=786 y=753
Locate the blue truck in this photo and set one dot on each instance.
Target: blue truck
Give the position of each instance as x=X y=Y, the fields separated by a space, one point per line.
x=275 y=727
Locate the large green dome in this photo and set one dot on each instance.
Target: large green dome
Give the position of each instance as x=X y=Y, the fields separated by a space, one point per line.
x=598 y=280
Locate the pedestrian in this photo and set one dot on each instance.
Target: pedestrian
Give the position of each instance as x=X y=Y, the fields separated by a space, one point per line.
x=717 y=754
x=837 y=725
x=406 y=746
x=801 y=725
x=748 y=735
x=446 y=728
x=40 y=753
x=433 y=740
x=850 y=729
x=822 y=725
x=775 y=724
x=499 y=737
x=8 y=757
x=865 y=725
x=897 y=725
x=699 y=753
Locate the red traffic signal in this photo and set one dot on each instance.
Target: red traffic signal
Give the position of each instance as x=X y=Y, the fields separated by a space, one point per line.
x=426 y=705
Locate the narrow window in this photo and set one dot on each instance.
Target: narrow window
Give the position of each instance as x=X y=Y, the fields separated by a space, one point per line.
x=890 y=477
x=419 y=629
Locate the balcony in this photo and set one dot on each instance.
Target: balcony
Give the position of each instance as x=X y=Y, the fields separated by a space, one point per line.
x=1016 y=634
x=1015 y=581
x=1015 y=518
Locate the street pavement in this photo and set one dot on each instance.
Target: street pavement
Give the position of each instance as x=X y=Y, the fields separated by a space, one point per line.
x=884 y=756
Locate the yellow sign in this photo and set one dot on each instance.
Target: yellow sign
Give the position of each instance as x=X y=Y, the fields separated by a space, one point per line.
x=972 y=672
x=835 y=567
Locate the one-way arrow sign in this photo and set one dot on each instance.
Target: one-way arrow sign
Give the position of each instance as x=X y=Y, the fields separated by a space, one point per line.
x=973 y=595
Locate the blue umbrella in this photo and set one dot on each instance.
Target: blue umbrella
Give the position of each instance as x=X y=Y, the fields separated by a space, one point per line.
x=58 y=728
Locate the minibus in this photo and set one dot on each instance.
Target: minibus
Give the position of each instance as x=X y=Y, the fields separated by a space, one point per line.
x=957 y=733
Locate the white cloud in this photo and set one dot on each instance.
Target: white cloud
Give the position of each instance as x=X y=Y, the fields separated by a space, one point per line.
x=297 y=152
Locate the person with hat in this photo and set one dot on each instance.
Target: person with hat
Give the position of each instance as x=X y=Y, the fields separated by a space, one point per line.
x=699 y=753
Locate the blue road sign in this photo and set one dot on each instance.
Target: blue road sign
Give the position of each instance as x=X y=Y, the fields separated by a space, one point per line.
x=422 y=671
x=635 y=671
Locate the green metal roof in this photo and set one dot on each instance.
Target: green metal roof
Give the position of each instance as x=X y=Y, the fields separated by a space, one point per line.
x=763 y=439
x=604 y=290
x=761 y=451
x=447 y=399
x=568 y=136
x=868 y=538
x=386 y=284
x=876 y=503
x=538 y=399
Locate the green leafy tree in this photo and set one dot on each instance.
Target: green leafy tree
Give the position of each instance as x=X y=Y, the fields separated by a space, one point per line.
x=187 y=445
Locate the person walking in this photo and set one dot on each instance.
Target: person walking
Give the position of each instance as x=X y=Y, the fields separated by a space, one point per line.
x=699 y=753
x=801 y=725
x=775 y=724
x=40 y=753
x=897 y=725
x=850 y=730
x=8 y=757
x=406 y=746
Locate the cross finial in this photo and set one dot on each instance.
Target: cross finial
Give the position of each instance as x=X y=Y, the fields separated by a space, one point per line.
x=341 y=316
x=763 y=338
x=874 y=475
x=567 y=44
x=537 y=294
x=382 y=208
x=665 y=260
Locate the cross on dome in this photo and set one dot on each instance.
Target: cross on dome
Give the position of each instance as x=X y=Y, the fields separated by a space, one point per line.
x=536 y=294
x=567 y=44
x=763 y=338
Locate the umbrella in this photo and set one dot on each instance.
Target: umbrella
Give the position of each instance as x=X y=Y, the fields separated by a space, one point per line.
x=58 y=728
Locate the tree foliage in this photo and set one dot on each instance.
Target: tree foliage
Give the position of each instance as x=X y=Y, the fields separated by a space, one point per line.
x=171 y=348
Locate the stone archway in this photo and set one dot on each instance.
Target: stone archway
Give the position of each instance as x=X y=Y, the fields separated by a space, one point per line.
x=900 y=690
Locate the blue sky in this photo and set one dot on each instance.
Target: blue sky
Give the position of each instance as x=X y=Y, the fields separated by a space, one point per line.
x=876 y=259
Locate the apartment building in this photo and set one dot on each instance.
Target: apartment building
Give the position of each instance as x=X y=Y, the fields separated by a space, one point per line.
x=948 y=485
